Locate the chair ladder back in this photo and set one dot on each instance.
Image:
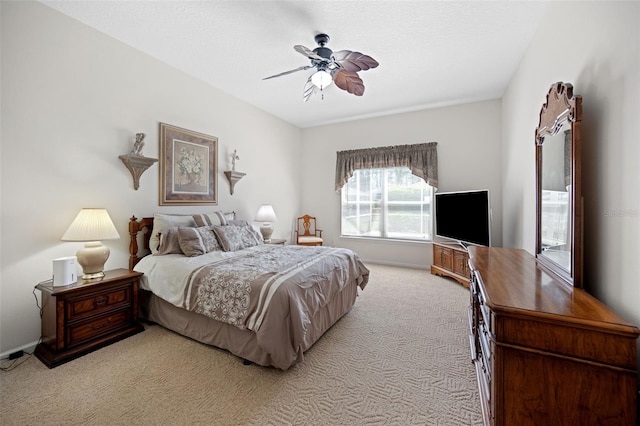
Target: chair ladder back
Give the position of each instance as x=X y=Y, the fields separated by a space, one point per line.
x=307 y=224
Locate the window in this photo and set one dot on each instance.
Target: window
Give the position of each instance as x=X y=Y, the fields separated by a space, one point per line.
x=387 y=203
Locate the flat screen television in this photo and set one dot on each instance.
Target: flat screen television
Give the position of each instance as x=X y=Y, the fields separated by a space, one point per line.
x=464 y=216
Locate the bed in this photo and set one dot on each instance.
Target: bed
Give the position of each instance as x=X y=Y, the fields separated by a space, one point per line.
x=266 y=304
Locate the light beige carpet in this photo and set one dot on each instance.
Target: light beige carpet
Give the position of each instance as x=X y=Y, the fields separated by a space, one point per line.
x=399 y=357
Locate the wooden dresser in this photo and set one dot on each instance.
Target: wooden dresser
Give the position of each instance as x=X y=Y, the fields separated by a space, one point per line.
x=452 y=261
x=82 y=317
x=546 y=353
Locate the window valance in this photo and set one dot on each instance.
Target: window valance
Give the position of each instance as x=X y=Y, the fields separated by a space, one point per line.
x=421 y=159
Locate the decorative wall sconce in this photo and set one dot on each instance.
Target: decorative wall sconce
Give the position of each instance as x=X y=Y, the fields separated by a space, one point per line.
x=136 y=162
x=232 y=175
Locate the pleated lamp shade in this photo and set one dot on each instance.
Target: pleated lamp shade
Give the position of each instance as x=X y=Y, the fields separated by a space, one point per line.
x=92 y=226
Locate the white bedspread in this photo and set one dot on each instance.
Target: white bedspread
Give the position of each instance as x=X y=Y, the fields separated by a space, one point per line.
x=166 y=276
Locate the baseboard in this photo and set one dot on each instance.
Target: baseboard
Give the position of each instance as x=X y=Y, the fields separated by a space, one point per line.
x=399 y=264
x=28 y=348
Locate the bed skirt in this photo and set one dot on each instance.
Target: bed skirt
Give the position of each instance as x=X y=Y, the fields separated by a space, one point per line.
x=243 y=342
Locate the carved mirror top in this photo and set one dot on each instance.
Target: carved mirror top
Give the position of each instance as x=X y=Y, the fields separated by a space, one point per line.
x=558 y=186
x=561 y=106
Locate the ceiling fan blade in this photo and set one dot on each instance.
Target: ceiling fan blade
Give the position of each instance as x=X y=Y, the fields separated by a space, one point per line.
x=308 y=53
x=354 y=61
x=305 y=67
x=309 y=89
x=349 y=81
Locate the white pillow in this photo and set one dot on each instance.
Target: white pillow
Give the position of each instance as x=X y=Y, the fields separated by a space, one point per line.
x=161 y=222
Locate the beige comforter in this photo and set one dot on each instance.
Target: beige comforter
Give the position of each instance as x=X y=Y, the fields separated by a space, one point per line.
x=273 y=291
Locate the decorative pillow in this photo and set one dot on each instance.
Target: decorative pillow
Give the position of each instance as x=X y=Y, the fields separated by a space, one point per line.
x=169 y=243
x=210 y=219
x=233 y=238
x=197 y=241
x=238 y=222
x=162 y=222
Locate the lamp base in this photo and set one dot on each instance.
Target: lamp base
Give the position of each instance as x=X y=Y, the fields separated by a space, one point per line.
x=266 y=230
x=92 y=258
x=92 y=276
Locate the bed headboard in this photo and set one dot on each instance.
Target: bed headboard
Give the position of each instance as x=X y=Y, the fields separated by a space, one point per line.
x=135 y=226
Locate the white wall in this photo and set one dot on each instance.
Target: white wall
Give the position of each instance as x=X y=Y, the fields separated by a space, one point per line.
x=468 y=139
x=72 y=101
x=596 y=47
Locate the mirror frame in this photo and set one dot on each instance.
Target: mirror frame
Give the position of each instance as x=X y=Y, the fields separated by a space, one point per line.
x=562 y=106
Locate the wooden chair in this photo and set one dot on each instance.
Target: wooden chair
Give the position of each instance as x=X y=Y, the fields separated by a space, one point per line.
x=306 y=232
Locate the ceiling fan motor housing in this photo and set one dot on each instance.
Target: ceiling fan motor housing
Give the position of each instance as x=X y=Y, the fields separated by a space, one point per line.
x=321 y=39
x=324 y=52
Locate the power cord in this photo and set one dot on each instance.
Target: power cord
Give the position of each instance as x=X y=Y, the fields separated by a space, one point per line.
x=14 y=363
x=41 y=308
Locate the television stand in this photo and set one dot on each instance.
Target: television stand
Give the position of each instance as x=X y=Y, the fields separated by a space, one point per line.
x=451 y=260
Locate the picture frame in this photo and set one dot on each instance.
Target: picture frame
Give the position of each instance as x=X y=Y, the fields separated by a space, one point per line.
x=188 y=167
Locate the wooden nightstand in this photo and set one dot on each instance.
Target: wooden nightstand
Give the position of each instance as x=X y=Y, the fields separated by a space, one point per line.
x=84 y=316
x=277 y=241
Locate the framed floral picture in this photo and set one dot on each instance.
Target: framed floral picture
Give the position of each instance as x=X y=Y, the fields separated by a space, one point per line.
x=188 y=167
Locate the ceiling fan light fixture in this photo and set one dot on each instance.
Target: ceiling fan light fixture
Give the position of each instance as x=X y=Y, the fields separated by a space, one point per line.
x=321 y=79
x=339 y=68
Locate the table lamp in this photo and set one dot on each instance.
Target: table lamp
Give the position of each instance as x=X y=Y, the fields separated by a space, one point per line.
x=266 y=215
x=92 y=226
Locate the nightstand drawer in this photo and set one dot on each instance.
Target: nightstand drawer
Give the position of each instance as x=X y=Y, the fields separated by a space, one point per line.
x=96 y=327
x=96 y=303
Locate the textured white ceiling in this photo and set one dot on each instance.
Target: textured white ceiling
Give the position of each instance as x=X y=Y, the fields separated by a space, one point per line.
x=431 y=53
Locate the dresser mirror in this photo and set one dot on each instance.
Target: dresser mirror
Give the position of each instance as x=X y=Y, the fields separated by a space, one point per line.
x=558 y=188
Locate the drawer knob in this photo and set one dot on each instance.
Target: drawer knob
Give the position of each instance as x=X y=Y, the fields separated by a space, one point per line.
x=99 y=301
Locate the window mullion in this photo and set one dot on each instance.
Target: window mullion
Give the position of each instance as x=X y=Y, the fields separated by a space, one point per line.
x=372 y=200
x=384 y=200
x=358 y=201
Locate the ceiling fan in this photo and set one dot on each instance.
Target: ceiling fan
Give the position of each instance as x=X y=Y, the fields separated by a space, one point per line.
x=340 y=68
